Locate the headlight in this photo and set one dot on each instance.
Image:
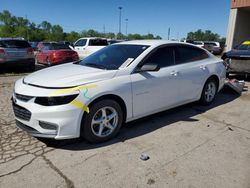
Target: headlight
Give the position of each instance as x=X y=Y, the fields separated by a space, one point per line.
x=52 y=101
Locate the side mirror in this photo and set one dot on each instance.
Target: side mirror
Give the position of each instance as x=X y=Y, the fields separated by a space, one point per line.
x=149 y=67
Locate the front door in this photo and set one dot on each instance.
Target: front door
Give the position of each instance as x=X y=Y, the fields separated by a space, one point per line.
x=153 y=91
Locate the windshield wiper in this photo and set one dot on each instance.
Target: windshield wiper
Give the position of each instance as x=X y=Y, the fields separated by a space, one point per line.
x=95 y=65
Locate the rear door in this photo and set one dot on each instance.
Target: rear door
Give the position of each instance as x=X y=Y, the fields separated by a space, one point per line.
x=191 y=66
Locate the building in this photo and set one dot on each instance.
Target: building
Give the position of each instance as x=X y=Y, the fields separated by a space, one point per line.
x=239 y=23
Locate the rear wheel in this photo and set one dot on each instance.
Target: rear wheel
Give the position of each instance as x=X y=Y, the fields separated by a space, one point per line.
x=209 y=92
x=103 y=121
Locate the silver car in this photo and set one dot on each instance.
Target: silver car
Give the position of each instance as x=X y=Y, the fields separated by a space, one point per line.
x=16 y=53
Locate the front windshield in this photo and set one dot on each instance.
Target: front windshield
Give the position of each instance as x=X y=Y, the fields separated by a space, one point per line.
x=112 y=57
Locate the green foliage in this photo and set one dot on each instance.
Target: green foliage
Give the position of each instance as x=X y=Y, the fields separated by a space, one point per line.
x=206 y=35
x=12 y=26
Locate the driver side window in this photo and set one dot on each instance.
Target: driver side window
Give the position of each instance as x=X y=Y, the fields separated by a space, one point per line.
x=163 y=57
x=81 y=42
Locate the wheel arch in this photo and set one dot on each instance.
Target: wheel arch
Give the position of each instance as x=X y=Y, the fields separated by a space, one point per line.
x=114 y=97
x=216 y=78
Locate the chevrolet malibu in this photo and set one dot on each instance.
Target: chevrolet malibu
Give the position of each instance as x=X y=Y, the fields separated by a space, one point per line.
x=92 y=98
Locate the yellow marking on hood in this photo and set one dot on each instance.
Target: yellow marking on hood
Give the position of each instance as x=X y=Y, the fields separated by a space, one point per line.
x=62 y=91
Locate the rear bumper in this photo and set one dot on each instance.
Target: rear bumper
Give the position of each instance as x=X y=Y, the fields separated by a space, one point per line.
x=17 y=62
x=239 y=66
x=68 y=60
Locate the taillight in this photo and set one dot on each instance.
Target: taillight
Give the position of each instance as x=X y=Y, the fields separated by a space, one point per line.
x=226 y=62
x=30 y=51
x=55 y=54
x=2 y=52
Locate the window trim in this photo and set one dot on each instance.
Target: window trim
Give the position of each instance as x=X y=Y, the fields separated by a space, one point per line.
x=189 y=46
x=173 y=45
x=141 y=63
x=81 y=40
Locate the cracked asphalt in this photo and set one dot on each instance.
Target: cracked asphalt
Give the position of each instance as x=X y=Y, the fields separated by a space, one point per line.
x=189 y=146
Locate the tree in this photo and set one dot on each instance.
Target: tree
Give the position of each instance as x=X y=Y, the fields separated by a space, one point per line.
x=72 y=36
x=206 y=35
x=12 y=26
x=46 y=26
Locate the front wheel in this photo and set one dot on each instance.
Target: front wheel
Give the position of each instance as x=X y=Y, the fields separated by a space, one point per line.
x=209 y=92
x=102 y=122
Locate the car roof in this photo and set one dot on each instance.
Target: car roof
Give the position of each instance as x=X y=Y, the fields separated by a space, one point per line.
x=152 y=42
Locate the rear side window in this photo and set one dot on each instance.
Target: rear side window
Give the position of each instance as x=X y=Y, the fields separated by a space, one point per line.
x=59 y=46
x=210 y=43
x=98 y=42
x=14 y=44
x=46 y=48
x=185 y=54
x=81 y=42
x=162 y=56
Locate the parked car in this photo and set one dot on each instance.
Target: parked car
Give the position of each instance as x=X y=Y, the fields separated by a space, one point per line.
x=86 y=46
x=33 y=45
x=15 y=52
x=120 y=83
x=238 y=60
x=199 y=44
x=213 y=47
x=51 y=53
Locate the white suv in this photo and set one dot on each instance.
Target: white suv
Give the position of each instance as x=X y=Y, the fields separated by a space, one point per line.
x=86 y=46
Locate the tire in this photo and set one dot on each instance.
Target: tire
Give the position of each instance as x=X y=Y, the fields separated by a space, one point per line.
x=96 y=127
x=209 y=92
x=32 y=67
x=48 y=62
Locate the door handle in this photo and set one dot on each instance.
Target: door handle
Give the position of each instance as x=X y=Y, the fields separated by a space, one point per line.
x=203 y=67
x=174 y=73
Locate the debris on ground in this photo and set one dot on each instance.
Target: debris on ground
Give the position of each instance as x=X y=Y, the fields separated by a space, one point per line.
x=236 y=85
x=230 y=129
x=144 y=157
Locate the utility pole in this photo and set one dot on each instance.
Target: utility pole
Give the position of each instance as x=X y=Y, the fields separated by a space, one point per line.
x=126 y=26
x=168 y=33
x=120 y=18
x=27 y=29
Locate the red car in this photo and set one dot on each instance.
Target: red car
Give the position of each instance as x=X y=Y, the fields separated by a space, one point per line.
x=52 y=53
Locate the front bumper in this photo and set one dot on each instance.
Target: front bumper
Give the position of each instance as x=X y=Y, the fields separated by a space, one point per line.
x=36 y=119
x=65 y=118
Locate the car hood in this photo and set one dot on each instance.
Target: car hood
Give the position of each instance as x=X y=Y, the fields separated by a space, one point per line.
x=67 y=75
x=238 y=54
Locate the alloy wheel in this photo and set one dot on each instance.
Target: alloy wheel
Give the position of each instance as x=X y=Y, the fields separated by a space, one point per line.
x=104 y=122
x=210 y=91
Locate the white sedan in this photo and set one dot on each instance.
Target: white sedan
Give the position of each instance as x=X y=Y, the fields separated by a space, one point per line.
x=117 y=84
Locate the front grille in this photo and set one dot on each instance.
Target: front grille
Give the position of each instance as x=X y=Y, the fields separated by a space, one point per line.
x=24 y=98
x=21 y=112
